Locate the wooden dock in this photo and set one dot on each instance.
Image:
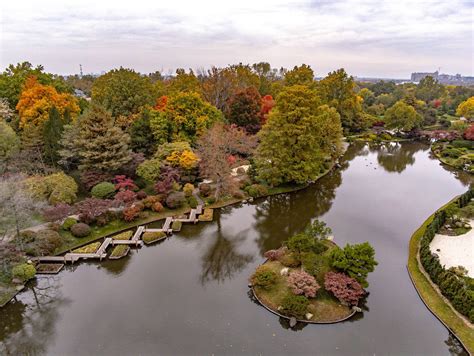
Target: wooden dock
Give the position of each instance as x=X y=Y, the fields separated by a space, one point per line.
x=136 y=240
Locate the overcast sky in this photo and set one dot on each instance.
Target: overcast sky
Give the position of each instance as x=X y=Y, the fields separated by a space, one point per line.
x=390 y=38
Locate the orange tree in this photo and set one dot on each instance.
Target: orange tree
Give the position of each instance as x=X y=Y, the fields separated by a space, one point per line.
x=36 y=101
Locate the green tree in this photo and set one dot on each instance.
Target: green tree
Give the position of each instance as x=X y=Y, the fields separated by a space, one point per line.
x=244 y=109
x=299 y=139
x=9 y=145
x=402 y=116
x=429 y=89
x=183 y=82
x=142 y=139
x=184 y=118
x=101 y=146
x=302 y=75
x=123 y=91
x=52 y=131
x=357 y=261
x=338 y=90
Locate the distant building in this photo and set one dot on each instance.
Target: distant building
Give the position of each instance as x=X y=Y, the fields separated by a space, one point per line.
x=457 y=79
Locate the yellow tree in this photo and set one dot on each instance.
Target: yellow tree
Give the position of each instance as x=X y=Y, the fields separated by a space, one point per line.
x=36 y=101
x=466 y=108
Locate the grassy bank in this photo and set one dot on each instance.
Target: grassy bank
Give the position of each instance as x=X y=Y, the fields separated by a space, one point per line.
x=431 y=297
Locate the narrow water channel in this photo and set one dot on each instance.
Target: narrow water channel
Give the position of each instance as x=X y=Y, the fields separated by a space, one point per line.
x=189 y=295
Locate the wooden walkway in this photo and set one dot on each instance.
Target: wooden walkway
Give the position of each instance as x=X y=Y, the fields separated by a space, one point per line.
x=136 y=240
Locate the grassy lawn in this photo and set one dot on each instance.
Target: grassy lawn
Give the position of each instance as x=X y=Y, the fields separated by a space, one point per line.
x=324 y=307
x=431 y=297
x=98 y=232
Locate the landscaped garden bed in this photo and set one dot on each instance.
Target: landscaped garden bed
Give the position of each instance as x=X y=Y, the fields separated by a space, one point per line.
x=457 y=153
x=90 y=248
x=310 y=279
x=176 y=226
x=49 y=268
x=207 y=215
x=119 y=252
x=153 y=236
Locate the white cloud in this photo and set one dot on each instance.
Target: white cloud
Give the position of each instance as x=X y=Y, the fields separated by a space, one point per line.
x=374 y=38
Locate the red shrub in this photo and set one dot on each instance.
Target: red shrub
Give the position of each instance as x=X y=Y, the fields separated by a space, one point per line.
x=141 y=195
x=344 y=288
x=469 y=133
x=124 y=183
x=157 y=207
x=301 y=282
x=126 y=196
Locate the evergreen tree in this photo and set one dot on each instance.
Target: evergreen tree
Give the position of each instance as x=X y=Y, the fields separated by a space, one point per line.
x=142 y=139
x=299 y=139
x=101 y=146
x=52 y=131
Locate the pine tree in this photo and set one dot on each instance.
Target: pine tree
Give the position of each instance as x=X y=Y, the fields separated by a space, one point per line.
x=52 y=130
x=101 y=146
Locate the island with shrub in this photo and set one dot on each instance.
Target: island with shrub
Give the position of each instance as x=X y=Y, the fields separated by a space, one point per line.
x=310 y=279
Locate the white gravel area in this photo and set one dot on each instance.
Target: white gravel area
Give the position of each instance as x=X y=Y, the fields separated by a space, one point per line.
x=456 y=250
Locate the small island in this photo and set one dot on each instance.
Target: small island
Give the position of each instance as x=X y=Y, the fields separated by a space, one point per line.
x=310 y=279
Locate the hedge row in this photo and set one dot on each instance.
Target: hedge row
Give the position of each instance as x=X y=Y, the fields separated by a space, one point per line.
x=454 y=287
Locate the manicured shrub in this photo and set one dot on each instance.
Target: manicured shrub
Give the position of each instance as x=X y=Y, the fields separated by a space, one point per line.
x=23 y=272
x=126 y=196
x=150 y=200
x=56 y=188
x=175 y=200
x=263 y=277
x=141 y=194
x=27 y=236
x=304 y=243
x=131 y=213
x=188 y=189
x=210 y=200
x=192 y=201
x=274 y=255
x=294 y=305
x=256 y=190
x=157 y=207
x=302 y=283
x=204 y=189
x=80 y=230
x=68 y=223
x=103 y=190
x=344 y=288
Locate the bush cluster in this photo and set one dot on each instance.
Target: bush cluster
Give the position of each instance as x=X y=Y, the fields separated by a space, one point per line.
x=23 y=272
x=263 y=277
x=256 y=190
x=103 y=190
x=80 y=230
x=294 y=305
x=457 y=288
x=302 y=283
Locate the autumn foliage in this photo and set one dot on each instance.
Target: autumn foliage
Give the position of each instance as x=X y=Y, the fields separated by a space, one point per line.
x=267 y=104
x=37 y=100
x=469 y=133
x=344 y=288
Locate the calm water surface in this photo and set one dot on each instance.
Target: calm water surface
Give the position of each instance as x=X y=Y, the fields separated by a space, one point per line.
x=189 y=295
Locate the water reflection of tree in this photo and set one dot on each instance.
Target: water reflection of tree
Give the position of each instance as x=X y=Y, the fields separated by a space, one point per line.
x=281 y=216
x=222 y=260
x=28 y=324
x=395 y=157
x=454 y=346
